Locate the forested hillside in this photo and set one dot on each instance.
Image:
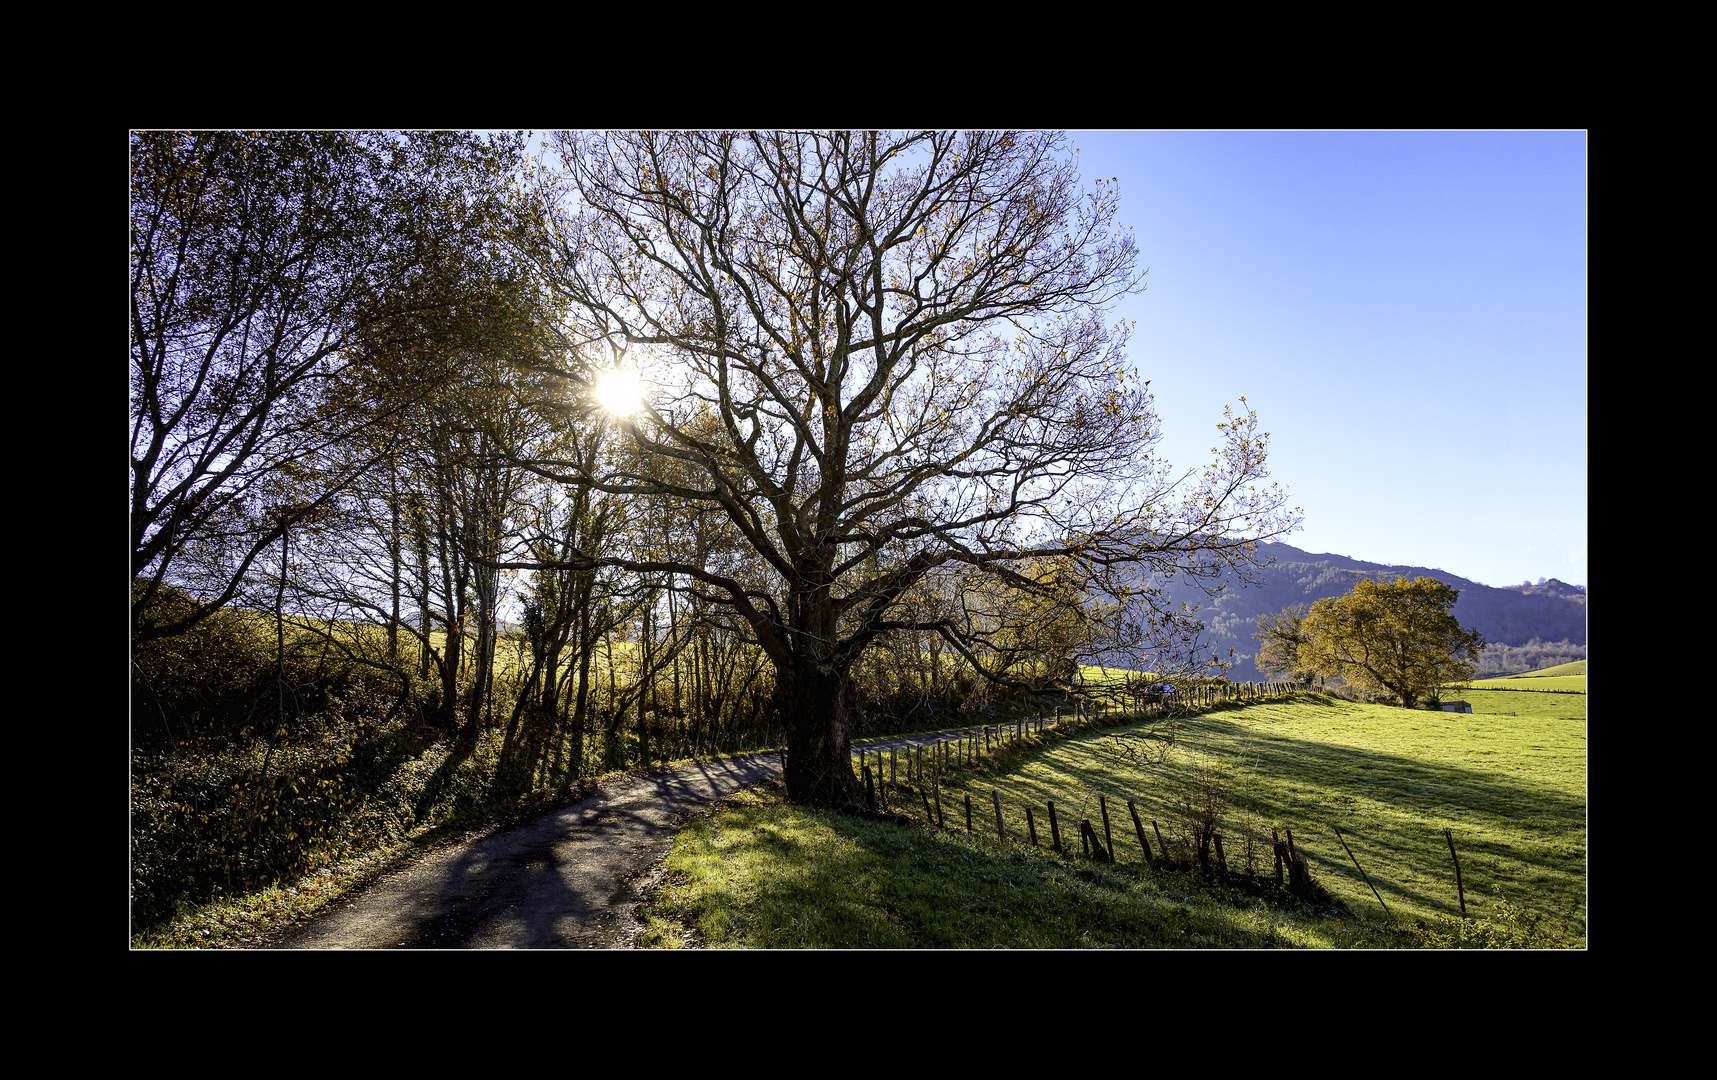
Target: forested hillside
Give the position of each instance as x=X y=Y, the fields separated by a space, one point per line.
x=1522 y=617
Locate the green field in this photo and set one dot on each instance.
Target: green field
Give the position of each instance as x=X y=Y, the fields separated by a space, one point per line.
x=1548 y=684
x=1525 y=705
x=1512 y=793
x=1577 y=667
x=1553 y=693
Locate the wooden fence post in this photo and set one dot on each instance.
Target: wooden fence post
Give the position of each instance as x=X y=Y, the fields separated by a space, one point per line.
x=1140 y=829
x=1363 y=874
x=929 y=817
x=869 y=790
x=1459 y=891
x=1107 y=838
x=1054 y=830
x=1030 y=826
x=1160 y=844
x=1001 y=830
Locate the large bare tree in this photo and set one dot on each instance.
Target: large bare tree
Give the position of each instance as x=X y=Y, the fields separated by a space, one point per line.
x=880 y=357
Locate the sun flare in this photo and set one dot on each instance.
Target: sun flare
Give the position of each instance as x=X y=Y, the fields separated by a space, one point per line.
x=619 y=391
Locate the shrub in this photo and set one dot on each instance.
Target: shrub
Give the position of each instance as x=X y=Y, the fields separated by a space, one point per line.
x=200 y=685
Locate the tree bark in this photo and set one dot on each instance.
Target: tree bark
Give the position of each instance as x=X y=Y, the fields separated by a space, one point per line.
x=813 y=708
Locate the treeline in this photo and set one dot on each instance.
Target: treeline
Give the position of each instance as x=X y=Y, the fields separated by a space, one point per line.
x=1499 y=660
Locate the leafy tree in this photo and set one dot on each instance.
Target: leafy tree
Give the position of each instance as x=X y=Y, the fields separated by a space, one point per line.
x=1281 y=636
x=1397 y=637
x=880 y=356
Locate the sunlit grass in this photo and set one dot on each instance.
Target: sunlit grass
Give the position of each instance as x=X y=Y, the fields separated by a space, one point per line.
x=1522 y=705
x=1534 y=683
x=1573 y=667
x=1511 y=792
x=764 y=875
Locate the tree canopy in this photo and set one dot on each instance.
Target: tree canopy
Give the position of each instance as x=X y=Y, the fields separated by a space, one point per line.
x=882 y=360
x=1280 y=637
x=1398 y=637
x=266 y=269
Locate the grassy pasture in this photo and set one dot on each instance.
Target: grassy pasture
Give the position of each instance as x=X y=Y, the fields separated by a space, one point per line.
x=1532 y=684
x=1575 y=667
x=1554 y=693
x=1512 y=793
x=761 y=874
x=1523 y=704
x=1390 y=779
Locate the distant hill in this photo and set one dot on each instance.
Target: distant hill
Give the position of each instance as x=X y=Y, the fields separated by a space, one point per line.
x=1521 y=615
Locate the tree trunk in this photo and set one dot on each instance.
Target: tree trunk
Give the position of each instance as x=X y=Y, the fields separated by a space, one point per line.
x=586 y=646
x=813 y=708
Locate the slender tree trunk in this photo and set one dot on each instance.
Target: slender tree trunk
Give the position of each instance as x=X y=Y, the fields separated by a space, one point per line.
x=396 y=562
x=586 y=646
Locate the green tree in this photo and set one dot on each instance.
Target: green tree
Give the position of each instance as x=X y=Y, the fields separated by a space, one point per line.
x=880 y=357
x=1397 y=637
x=1280 y=637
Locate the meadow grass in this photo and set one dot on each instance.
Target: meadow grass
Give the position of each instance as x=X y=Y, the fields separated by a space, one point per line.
x=1534 y=683
x=1573 y=667
x=1554 y=693
x=761 y=874
x=1523 y=704
x=1511 y=793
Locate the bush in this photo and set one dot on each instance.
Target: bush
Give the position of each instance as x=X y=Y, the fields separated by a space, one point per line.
x=201 y=685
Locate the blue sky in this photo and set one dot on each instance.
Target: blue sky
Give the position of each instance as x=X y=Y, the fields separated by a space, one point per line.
x=1406 y=312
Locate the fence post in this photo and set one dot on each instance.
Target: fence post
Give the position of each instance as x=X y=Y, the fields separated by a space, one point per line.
x=1459 y=891
x=1001 y=830
x=1363 y=874
x=1140 y=829
x=1054 y=829
x=1107 y=838
x=1030 y=826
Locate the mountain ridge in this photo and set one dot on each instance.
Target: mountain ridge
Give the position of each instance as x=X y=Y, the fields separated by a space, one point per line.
x=1518 y=615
